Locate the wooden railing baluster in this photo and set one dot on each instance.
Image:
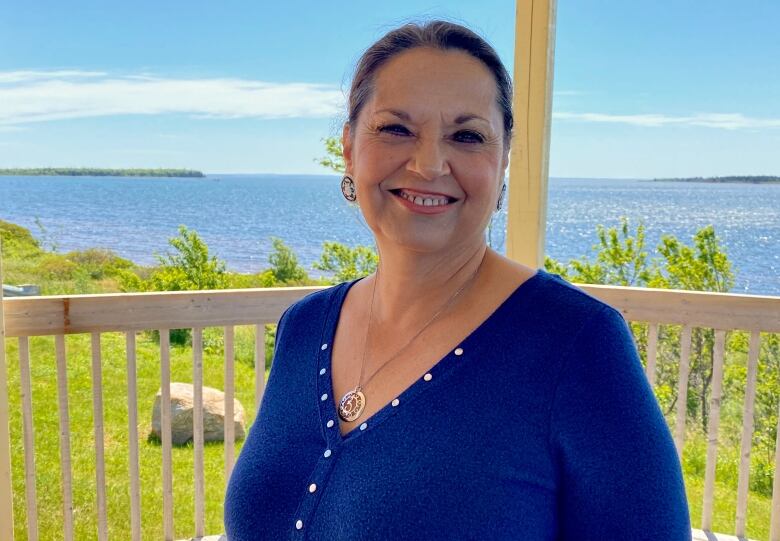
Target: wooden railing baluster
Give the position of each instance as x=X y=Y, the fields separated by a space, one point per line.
x=747 y=434
x=132 y=427
x=97 y=412
x=29 y=439
x=65 y=455
x=712 y=430
x=197 y=429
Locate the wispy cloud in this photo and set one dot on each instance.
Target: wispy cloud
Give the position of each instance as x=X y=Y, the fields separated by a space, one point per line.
x=725 y=121
x=23 y=76
x=37 y=96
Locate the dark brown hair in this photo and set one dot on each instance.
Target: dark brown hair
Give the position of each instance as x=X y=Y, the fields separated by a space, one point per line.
x=442 y=35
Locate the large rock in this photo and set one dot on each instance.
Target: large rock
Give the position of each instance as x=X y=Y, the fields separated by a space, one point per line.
x=182 y=399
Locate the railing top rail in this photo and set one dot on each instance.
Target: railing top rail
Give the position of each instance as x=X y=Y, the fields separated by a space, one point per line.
x=725 y=311
x=66 y=314
x=69 y=314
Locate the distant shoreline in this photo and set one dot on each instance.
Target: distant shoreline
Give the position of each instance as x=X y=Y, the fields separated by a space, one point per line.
x=733 y=179
x=100 y=172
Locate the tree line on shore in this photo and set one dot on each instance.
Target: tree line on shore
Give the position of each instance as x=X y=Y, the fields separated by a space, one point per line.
x=100 y=172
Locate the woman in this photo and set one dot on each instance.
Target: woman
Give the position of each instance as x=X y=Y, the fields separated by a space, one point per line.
x=453 y=394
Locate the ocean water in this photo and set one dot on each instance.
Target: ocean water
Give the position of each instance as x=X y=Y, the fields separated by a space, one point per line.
x=237 y=215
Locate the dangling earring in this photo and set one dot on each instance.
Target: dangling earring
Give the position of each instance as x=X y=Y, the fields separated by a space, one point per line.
x=348 y=188
x=501 y=198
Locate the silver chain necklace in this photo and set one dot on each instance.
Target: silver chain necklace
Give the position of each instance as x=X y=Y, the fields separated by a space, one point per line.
x=353 y=402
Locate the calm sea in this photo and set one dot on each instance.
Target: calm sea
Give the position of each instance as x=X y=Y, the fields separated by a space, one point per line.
x=237 y=215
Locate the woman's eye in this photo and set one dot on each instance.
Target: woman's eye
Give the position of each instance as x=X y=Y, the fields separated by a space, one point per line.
x=468 y=136
x=395 y=129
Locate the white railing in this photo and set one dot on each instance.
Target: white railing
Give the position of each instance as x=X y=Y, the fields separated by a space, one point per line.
x=25 y=317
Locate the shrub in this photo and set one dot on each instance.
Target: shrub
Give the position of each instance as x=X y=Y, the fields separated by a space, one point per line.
x=284 y=265
x=347 y=263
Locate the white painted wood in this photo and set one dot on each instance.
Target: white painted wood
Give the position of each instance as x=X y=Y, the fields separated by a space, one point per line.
x=132 y=427
x=230 y=434
x=712 y=430
x=197 y=429
x=774 y=521
x=6 y=485
x=652 y=352
x=97 y=413
x=68 y=314
x=28 y=439
x=65 y=454
x=165 y=426
x=46 y=316
x=532 y=103
x=259 y=365
x=682 y=389
x=747 y=434
x=703 y=309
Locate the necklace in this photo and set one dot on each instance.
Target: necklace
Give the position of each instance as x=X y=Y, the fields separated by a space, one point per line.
x=354 y=401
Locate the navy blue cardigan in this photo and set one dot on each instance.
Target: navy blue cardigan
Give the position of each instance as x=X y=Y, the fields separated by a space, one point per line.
x=540 y=425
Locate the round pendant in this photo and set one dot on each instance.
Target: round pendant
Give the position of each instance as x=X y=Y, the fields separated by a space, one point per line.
x=351 y=405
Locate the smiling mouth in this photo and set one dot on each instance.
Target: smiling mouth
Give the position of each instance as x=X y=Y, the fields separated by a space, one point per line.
x=422 y=199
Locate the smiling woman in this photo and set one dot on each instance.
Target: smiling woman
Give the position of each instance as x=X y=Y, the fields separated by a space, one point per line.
x=461 y=395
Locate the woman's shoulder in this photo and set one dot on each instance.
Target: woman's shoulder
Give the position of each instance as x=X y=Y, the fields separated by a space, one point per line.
x=549 y=296
x=560 y=295
x=315 y=306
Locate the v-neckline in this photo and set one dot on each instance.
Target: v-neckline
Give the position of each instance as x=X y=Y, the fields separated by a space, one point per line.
x=326 y=401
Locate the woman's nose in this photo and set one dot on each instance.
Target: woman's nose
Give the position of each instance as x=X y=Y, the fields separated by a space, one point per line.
x=429 y=159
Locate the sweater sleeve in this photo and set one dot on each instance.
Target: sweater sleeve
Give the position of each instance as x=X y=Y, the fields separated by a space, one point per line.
x=618 y=469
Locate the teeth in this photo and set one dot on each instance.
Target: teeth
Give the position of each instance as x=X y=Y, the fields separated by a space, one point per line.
x=424 y=201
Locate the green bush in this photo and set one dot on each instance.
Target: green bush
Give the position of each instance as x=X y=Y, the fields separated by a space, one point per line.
x=18 y=242
x=347 y=263
x=99 y=263
x=284 y=265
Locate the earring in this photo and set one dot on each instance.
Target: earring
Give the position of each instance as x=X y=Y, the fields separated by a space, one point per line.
x=501 y=198
x=348 y=188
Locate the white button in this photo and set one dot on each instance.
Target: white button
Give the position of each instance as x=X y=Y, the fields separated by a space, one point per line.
x=427 y=377
x=326 y=454
x=395 y=402
x=322 y=371
x=330 y=423
x=363 y=426
x=459 y=351
x=324 y=397
x=299 y=524
x=312 y=487
x=324 y=347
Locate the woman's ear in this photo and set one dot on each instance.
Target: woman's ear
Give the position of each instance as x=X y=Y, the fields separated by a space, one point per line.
x=346 y=147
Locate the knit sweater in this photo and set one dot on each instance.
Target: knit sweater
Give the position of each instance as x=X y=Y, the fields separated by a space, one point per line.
x=539 y=425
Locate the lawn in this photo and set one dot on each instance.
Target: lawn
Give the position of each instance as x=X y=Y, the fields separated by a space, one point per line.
x=46 y=422
x=48 y=483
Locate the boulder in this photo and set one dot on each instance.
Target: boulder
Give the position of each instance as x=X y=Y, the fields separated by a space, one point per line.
x=182 y=399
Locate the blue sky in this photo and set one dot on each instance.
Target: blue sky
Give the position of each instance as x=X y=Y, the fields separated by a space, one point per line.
x=642 y=89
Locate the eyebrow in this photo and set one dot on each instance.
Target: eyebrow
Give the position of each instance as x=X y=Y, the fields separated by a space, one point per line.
x=461 y=119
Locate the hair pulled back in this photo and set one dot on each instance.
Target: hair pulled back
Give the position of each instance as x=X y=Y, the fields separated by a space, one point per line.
x=437 y=34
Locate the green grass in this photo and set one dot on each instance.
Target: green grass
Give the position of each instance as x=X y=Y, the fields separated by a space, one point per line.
x=46 y=422
x=725 y=507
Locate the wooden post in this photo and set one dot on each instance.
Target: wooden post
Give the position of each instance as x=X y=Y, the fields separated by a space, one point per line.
x=532 y=103
x=6 y=488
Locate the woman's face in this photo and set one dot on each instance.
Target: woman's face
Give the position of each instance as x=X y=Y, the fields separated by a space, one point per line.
x=427 y=153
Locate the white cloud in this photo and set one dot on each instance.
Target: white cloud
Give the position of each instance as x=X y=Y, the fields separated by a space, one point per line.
x=22 y=76
x=37 y=96
x=726 y=121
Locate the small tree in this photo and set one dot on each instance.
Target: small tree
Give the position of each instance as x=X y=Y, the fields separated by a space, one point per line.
x=347 y=263
x=189 y=267
x=284 y=264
